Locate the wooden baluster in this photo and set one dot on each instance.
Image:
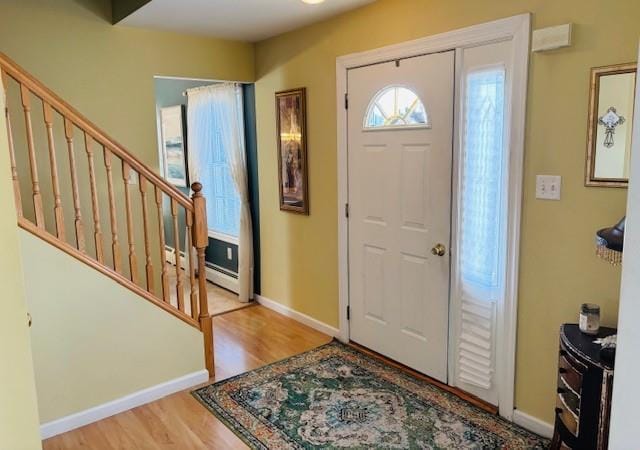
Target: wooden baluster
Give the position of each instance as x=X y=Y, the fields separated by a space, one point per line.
x=97 y=228
x=12 y=153
x=37 y=197
x=163 y=257
x=193 y=297
x=147 y=246
x=48 y=120
x=133 y=262
x=79 y=227
x=176 y=246
x=200 y=242
x=115 y=242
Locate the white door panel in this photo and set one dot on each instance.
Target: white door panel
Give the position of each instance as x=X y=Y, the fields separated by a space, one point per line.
x=400 y=208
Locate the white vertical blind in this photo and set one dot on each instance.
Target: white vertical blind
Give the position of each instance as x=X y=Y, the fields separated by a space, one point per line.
x=483 y=212
x=223 y=207
x=482 y=224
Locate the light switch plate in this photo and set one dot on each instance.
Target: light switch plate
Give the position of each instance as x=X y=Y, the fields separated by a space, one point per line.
x=548 y=187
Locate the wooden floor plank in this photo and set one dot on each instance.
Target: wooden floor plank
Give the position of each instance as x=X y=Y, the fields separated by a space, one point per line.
x=244 y=340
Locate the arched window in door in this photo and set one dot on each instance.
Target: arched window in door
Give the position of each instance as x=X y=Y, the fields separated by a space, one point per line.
x=395 y=107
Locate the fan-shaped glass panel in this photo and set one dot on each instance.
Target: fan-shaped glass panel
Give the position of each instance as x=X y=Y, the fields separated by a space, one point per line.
x=395 y=107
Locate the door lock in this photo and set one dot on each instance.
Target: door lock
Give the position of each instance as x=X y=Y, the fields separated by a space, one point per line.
x=439 y=250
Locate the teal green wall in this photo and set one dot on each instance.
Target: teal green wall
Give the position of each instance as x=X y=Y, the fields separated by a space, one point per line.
x=249 y=91
x=169 y=90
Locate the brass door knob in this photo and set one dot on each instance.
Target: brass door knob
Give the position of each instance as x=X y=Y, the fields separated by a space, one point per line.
x=439 y=250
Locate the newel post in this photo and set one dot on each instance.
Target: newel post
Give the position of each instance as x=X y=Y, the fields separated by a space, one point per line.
x=200 y=242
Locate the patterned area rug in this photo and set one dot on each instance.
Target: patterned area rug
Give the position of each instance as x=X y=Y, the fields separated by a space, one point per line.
x=337 y=397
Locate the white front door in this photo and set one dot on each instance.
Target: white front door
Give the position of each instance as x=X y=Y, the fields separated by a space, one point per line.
x=400 y=122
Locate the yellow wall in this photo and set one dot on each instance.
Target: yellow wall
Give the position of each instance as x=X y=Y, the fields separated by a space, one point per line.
x=558 y=268
x=93 y=340
x=106 y=72
x=18 y=407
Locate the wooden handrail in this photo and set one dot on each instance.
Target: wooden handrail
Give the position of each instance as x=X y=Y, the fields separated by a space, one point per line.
x=12 y=154
x=102 y=184
x=25 y=79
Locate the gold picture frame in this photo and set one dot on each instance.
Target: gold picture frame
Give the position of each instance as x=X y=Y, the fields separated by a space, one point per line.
x=291 y=135
x=611 y=104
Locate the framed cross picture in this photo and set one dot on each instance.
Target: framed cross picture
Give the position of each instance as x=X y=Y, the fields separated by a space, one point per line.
x=174 y=145
x=292 y=150
x=611 y=104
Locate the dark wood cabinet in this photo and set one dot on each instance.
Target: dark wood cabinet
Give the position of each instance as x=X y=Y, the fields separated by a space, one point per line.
x=583 y=400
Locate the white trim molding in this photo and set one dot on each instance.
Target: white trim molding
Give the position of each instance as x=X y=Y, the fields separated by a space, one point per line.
x=224 y=237
x=533 y=424
x=517 y=30
x=122 y=404
x=298 y=316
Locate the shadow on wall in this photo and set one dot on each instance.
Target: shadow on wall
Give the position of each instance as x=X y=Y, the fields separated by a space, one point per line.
x=101 y=8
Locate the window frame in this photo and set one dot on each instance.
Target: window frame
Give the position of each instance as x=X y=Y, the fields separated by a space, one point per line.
x=223 y=237
x=378 y=95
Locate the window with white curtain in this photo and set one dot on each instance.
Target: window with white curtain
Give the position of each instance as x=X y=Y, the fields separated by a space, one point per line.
x=209 y=125
x=483 y=218
x=223 y=201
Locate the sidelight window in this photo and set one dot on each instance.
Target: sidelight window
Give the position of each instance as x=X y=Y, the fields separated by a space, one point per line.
x=483 y=203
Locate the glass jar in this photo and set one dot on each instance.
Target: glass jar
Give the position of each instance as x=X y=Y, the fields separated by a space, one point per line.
x=590 y=318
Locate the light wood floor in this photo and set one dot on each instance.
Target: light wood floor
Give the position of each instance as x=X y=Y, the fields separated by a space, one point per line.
x=244 y=340
x=220 y=300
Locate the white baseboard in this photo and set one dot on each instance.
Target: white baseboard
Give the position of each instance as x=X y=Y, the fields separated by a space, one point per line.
x=533 y=424
x=121 y=404
x=298 y=316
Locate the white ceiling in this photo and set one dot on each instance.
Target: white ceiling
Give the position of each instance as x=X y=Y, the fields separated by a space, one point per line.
x=246 y=20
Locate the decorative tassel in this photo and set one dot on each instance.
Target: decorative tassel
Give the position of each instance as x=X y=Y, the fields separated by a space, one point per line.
x=613 y=257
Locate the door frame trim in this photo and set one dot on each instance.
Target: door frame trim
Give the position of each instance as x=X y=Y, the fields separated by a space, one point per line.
x=517 y=29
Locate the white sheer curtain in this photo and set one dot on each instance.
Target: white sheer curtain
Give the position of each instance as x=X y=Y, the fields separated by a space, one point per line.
x=214 y=117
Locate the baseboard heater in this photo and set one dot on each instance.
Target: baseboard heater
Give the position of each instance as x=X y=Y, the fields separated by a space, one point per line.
x=222 y=270
x=218 y=275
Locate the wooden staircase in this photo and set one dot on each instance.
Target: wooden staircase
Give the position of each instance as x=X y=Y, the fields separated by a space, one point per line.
x=43 y=129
